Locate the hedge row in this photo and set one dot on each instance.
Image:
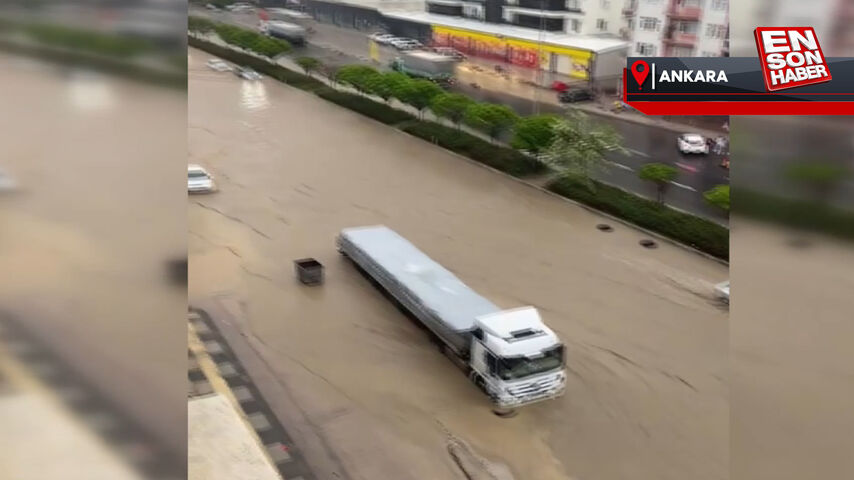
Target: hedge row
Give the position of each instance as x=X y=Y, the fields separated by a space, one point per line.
x=365 y=106
x=91 y=41
x=806 y=215
x=501 y=158
x=702 y=234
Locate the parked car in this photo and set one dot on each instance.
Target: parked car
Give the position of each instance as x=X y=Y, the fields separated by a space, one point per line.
x=405 y=44
x=450 y=52
x=573 y=95
x=382 y=38
x=722 y=291
x=211 y=6
x=218 y=65
x=247 y=73
x=692 y=143
x=199 y=180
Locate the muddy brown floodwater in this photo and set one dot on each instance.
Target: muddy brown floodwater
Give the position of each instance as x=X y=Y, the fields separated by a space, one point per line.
x=647 y=345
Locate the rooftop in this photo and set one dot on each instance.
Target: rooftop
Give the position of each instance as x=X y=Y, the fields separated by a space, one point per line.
x=597 y=44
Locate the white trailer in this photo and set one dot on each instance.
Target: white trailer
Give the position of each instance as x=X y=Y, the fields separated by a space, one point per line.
x=509 y=354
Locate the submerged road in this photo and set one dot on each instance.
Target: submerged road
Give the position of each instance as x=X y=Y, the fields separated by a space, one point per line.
x=647 y=346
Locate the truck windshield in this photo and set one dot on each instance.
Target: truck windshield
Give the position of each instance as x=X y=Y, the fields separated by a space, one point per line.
x=510 y=368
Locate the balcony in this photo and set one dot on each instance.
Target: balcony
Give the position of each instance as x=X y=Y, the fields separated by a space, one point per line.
x=629 y=8
x=548 y=5
x=681 y=39
x=678 y=11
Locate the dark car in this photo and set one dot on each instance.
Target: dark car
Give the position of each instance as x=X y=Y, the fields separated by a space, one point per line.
x=575 y=95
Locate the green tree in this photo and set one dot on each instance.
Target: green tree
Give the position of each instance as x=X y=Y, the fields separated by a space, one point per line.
x=659 y=174
x=309 y=64
x=357 y=76
x=384 y=85
x=452 y=106
x=534 y=133
x=579 y=146
x=821 y=178
x=490 y=118
x=718 y=196
x=252 y=41
x=418 y=93
x=199 y=24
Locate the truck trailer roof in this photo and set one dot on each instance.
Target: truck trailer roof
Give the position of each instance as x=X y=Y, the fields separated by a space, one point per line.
x=437 y=289
x=432 y=56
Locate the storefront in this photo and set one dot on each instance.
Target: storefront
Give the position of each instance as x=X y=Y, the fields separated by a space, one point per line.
x=557 y=62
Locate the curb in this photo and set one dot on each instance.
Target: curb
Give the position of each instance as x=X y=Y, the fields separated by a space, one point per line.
x=670 y=126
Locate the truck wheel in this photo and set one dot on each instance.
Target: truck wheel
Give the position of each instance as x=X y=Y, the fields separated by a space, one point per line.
x=505 y=412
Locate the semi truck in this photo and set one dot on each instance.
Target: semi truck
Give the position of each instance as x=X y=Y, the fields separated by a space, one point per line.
x=511 y=355
x=288 y=31
x=423 y=64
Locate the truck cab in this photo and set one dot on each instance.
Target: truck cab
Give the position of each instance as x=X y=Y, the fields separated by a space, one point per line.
x=516 y=359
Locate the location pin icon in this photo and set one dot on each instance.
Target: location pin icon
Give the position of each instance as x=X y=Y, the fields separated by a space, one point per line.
x=640 y=75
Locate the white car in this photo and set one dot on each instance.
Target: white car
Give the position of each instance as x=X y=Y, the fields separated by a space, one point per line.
x=692 y=143
x=7 y=183
x=382 y=38
x=405 y=44
x=211 y=6
x=247 y=73
x=218 y=65
x=199 y=180
x=722 y=291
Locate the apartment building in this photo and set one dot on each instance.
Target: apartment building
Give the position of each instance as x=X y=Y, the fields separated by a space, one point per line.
x=677 y=28
x=582 y=17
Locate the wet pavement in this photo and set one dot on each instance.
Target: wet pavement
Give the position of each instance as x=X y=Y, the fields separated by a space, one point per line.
x=86 y=238
x=647 y=345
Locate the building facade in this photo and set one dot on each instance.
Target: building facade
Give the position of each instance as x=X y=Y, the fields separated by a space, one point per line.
x=582 y=17
x=677 y=28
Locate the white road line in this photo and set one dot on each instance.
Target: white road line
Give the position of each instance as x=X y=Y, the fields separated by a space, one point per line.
x=686 y=187
x=620 y=165
x=638 y=152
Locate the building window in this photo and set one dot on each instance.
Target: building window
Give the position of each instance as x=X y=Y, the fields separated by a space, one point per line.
x=650 y=24
x=715 y=31
x=576 y=26
x=645 y=49
x=605 y=3
x=688 y=27
x=573 y=4
x=601 y=24
x=720 y=4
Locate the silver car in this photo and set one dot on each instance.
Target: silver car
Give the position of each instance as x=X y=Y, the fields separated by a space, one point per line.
x=722 y=291
x=7 y=183
x=218 y=65
x=247 y=73
x=199 y=180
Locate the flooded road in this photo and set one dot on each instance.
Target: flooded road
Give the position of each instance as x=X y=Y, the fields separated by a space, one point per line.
x=85 y=239
x=647 y=346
